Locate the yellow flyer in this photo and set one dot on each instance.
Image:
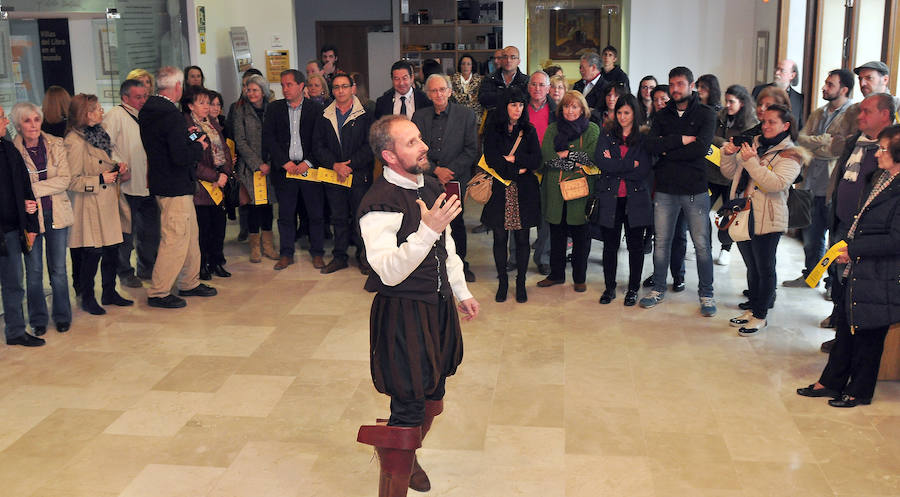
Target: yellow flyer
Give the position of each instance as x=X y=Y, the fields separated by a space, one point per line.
x=312 y=174
x=490 y=170
x=260 y=190
x=214 y=191
x=714 y=155
x=590 y=170
x=816 y=274
x=326 y=175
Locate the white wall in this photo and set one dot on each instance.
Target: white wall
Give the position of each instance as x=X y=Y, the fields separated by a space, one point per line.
x=262 y=18
x=515 y=29
x=707 y=36
x=84 y=68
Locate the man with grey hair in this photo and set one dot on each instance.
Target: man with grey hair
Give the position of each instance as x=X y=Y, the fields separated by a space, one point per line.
x=417 y=277
x=541 y=112
x=787 y=75
x=173 y=150
x=451 y=133
x=121 y=124
x=592 y=82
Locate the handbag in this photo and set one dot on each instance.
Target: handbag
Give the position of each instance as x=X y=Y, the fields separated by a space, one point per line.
x=232 y=191
x=480 y=187
x=573 y=189
x=799 y=204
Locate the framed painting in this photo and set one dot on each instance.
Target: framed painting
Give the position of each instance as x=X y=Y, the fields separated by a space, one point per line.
x=762 y=57
x=574 y=32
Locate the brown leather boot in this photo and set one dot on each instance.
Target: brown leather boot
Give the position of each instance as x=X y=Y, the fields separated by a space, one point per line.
x=253 y=241
x=268 y=248
x=418 y=479
x=396 y=448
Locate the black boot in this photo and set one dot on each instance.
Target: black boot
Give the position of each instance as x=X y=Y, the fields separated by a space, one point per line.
x=90 y=305
x=521 y=294
x=502 y=287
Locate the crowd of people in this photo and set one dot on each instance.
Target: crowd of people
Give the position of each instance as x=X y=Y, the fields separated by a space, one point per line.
x=160 y=174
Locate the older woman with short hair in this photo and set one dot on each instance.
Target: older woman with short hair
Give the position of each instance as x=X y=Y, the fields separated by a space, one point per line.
x=249 y=114
x=18 y=227
x=94 y=187
x=48 y=167
x=569 y=143
x=317 y=89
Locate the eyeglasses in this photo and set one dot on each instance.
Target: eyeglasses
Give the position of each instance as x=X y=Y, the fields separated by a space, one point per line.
x=883 y=150
x=513 y=57
x=647 y=87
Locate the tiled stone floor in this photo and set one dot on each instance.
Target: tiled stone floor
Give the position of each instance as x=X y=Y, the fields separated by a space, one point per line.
x=260 y=390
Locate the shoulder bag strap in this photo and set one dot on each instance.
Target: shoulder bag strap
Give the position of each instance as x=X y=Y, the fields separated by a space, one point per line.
x=516 y=144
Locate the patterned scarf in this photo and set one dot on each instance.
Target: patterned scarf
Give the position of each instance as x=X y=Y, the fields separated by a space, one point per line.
x=97 y=136
x=215 y=140
x=568 y=131
x=883 y=181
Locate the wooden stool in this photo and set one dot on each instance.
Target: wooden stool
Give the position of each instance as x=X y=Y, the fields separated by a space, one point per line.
x=890 y=359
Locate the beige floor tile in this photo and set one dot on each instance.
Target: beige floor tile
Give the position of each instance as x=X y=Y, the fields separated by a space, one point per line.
x=199 y=374
x=247 y=395
x=592 y=476
x=528 y=405
x=689 y=463
x=159 y=413
x=270 y=469
x=107 y=464
x=160 y=480
x=63 y=433
x=779 y=480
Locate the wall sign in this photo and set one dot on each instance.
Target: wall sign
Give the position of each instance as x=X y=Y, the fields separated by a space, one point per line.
x=276 y=61
x=56 y=54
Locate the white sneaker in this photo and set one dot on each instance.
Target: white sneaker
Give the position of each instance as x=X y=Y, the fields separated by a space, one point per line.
x=724 y=257
x=752 y=327
x=741 y=320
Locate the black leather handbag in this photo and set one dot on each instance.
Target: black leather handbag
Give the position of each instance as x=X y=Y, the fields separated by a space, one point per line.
x=799 y=204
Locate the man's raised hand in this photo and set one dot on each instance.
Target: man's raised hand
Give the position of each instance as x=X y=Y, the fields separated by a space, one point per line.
x=439 y=216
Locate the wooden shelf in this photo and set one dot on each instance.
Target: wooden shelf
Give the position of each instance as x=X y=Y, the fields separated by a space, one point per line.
x=463 y=33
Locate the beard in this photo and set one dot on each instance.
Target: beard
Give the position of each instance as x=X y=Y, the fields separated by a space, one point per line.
x=421 y=166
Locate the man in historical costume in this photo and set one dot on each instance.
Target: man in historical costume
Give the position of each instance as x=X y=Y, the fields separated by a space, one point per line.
x=415 y=338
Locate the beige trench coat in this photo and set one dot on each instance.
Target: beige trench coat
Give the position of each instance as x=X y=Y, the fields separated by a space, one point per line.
x=56 y=184
x=96 y=206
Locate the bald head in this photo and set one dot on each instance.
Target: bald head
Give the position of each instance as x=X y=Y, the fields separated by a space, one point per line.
x=511 y=62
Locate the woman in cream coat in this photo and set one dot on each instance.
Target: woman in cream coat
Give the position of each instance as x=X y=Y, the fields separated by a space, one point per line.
x=48 y=168
x=763 y=172
x=94 y=187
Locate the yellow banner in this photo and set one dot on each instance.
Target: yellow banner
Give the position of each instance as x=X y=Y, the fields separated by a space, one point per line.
x=260 y=190
x=816 y=274
x=310 y=175
x=490 y=170
x=714 y=155
x=215 y=193
x=326 y=175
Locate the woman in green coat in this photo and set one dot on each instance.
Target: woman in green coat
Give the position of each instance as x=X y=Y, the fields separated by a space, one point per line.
x=568 y=148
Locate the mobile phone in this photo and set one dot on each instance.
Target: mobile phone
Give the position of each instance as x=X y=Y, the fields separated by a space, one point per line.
x=452 y=188
x=741 y=139
x=196 y=135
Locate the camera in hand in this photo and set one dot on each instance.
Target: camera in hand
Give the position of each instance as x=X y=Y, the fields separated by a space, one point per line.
x=741 y=139
x=196 y=135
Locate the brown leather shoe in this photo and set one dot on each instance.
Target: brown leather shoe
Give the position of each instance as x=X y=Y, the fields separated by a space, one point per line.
x=548 y=282
x=283 y=262
x=335 y=265
x=580 y=287
x=318 y=262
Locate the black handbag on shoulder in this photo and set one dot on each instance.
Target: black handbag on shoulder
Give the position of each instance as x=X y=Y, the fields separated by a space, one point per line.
x=799 y=204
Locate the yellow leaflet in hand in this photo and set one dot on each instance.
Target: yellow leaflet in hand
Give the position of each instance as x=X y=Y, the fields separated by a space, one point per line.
x=490 y=170
x=326 y=175
x=215 y=193
x=589 y=170
x=714 y=155
x=260 y=190
x=816 y=274
x=312 y=174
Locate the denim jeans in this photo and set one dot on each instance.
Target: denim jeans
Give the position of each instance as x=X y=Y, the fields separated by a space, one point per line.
x=696 y=211
x=542 y=244
x=55 y=241
x=11 y=287
x=814 y=235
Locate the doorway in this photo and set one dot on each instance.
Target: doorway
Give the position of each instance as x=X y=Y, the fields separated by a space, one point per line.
x=352 y=41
